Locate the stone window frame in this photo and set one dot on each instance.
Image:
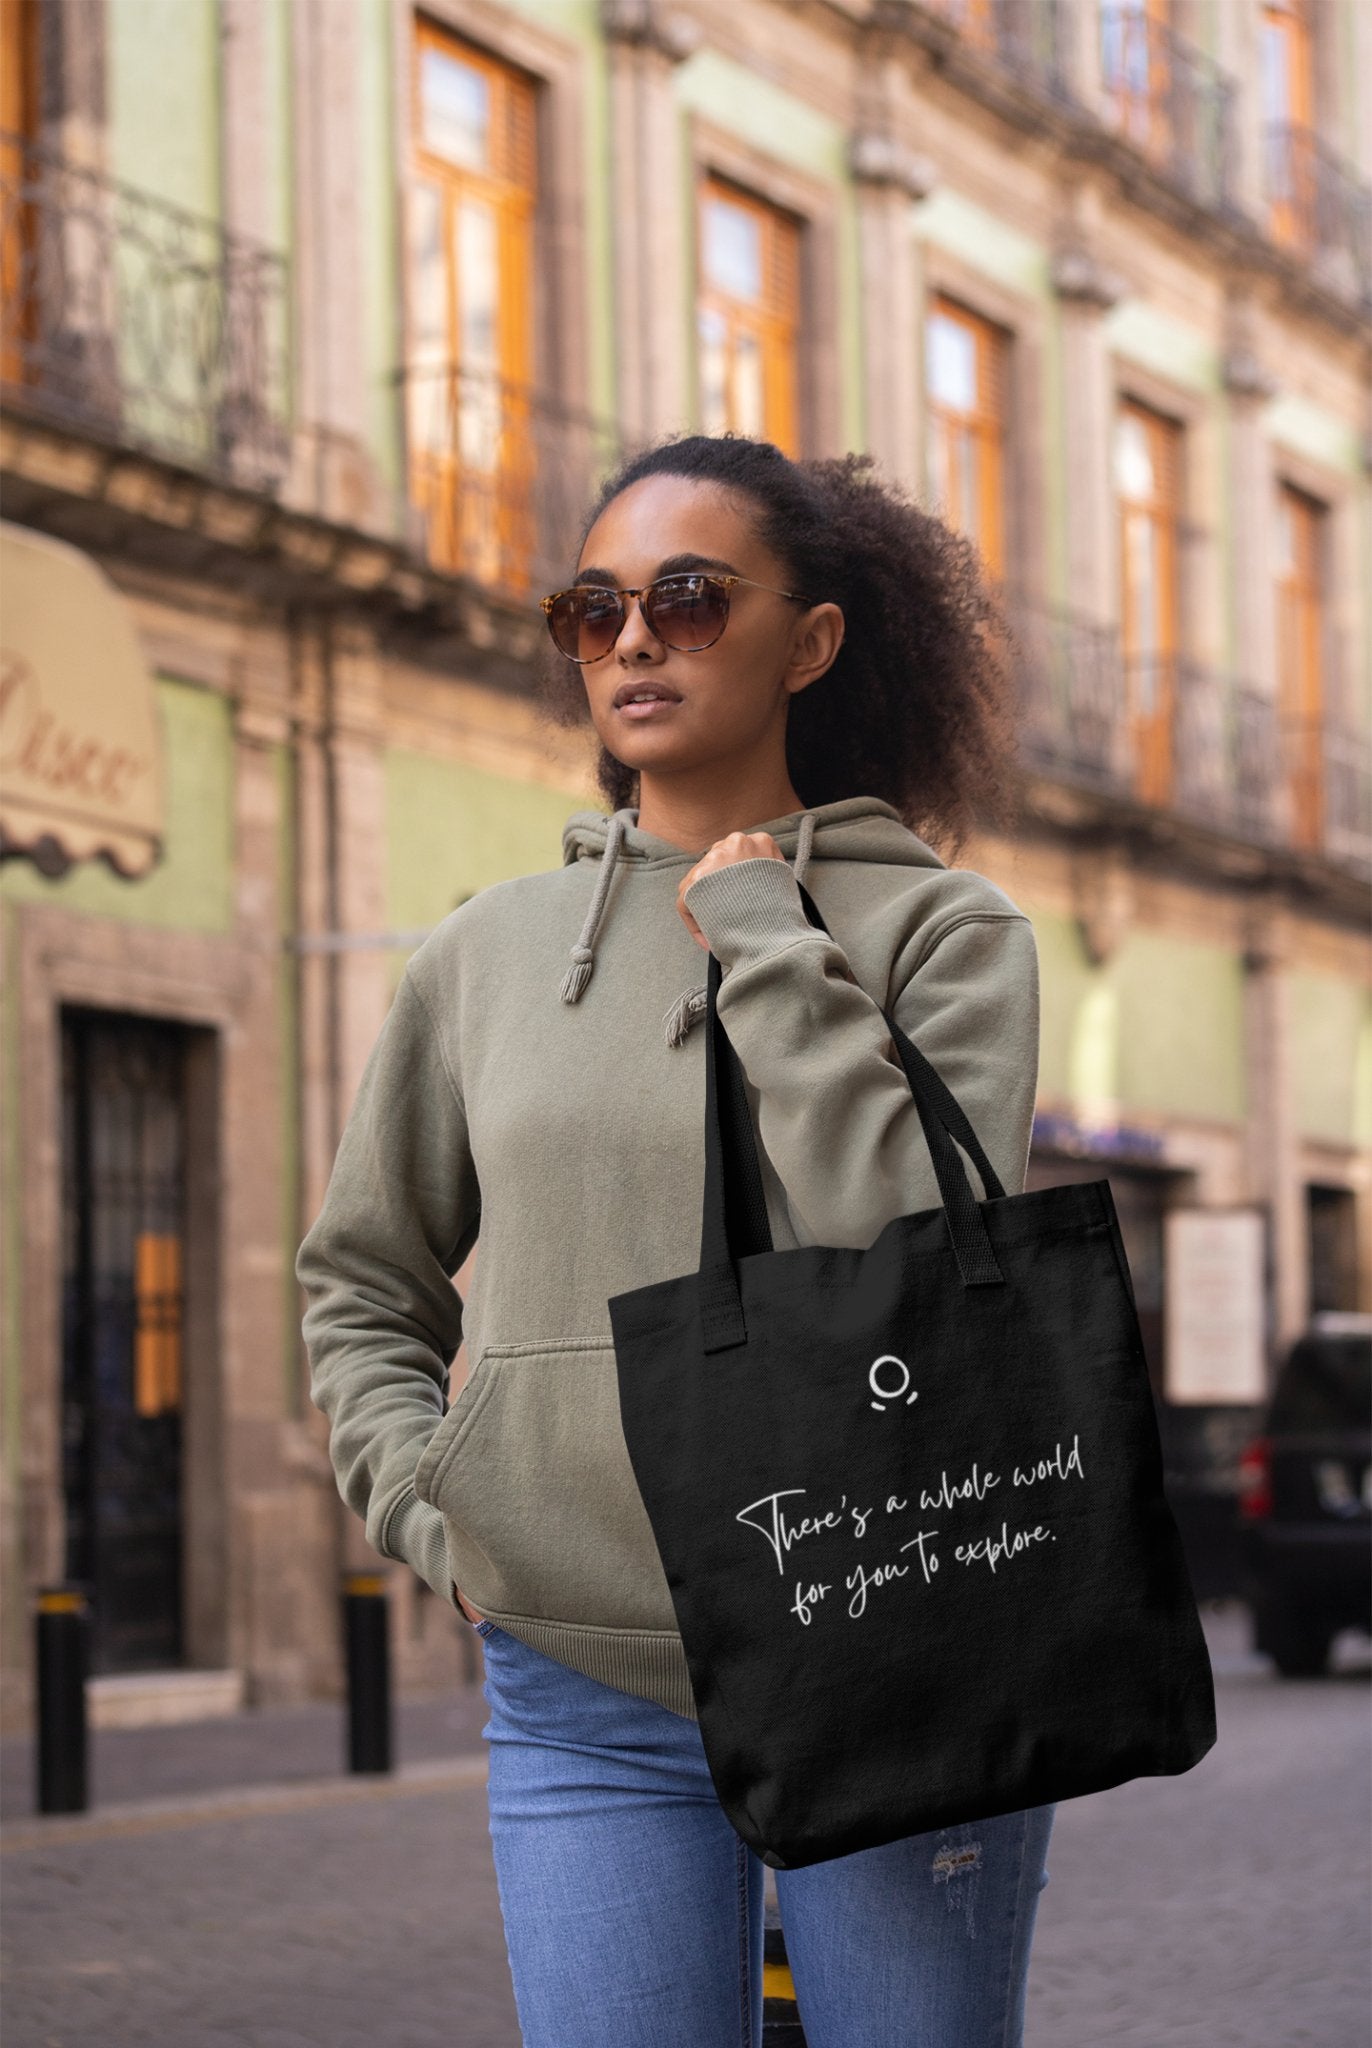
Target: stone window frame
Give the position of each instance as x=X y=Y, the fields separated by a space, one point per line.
x=560 y=326
x=1022 y=319
x=814 y=202
x=1339 y=555
x=1201 y=596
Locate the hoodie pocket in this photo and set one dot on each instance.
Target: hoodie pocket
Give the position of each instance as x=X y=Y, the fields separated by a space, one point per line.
x=532 y=1476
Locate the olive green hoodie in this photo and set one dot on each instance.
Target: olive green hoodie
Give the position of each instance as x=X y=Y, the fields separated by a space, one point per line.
x=539 y=1081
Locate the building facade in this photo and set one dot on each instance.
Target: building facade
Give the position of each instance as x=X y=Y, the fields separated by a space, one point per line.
x=322 y=319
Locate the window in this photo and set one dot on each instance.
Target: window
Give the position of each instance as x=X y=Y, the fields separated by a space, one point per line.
x=1147 y=468
x=965 y=452
x=1136 y=71
x=1332 y=1238
x=1300 y=682
x=1288 y=120
x=748 y=316
x=471 y=207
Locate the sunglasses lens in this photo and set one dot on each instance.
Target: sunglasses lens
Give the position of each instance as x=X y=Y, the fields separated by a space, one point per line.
x=585 y=623
x=688 y=611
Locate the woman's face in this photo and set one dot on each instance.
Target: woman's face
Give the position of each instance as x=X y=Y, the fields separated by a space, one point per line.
x=728 y=700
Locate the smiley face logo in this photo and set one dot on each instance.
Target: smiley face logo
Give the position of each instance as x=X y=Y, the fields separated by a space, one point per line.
x=890 y=1393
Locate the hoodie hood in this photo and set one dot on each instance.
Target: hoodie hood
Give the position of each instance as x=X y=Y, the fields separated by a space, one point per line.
x=853 y=828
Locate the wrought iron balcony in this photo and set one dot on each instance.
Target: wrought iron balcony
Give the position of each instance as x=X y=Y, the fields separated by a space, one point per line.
x=1171 y=101
x=500 y=475
x=133 y=320
x=1318 y=207
x=1024 y=35
x=1171 y=735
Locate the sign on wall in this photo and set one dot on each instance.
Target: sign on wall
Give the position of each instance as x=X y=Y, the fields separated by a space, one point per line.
x=1215 y=1305
x=80 y=749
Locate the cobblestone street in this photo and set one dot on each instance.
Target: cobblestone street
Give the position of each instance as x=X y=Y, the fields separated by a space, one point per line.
x=240 y=1896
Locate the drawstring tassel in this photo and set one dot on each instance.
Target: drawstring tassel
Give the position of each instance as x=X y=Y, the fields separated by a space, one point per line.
x=686 y=1012
x=578 y=974
x=583 y=952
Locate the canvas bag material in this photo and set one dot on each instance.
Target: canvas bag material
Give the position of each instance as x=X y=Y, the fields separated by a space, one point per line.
x=909 y=1499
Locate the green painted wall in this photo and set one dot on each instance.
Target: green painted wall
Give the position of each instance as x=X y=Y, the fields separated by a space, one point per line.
x=453 y=830
x=1157 y=1030
x=1331 y=1058
x=1153 y=339
x=163 y=88
x=192 y=885
x=982 y=239
x=1294 y=421
x=1182 y=1041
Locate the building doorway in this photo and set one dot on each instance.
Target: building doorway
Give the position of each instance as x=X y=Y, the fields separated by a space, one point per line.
x=1201 y=1444
x=123 y=1315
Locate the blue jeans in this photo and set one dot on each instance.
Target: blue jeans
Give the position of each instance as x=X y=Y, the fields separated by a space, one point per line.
x=633 y=1912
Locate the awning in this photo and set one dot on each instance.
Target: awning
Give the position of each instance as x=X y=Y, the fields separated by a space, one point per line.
x=81 y=769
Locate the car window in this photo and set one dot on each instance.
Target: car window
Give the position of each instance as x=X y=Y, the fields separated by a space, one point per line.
x=1326 y=1383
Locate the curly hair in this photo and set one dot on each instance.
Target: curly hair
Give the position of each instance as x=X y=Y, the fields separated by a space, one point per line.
x=916 y=706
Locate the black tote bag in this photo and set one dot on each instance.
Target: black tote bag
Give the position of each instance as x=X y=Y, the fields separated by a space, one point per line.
x=909 y=1500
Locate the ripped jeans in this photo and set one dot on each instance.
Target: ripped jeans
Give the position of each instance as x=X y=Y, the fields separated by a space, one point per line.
x=633 y=1912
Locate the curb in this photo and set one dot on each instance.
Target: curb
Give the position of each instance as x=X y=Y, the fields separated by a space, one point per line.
x=45 y=1831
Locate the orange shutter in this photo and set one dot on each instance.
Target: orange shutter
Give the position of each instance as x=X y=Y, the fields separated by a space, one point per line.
x=1287 y=108
x=1300 y=681
x=1147 y=483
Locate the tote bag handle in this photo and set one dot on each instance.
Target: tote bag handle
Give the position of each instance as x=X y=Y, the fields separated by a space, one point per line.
x=735 y=1220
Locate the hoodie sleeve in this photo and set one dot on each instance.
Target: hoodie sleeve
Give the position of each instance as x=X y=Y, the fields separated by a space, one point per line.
x=834 y=1109
x=384 y=1321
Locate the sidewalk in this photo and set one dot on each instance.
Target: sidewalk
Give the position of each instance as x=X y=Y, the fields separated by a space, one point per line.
x=202 y=1764
x=193 y=1763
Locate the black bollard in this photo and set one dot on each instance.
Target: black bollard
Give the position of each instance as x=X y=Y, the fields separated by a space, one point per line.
x=366 y=1634
x=61 y=1657
x=781 y=2026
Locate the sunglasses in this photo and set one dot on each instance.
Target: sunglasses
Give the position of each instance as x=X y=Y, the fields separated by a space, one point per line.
x=685 y=612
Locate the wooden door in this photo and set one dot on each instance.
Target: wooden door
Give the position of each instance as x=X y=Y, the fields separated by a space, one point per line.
x=1300 y=679
x=1147 y=472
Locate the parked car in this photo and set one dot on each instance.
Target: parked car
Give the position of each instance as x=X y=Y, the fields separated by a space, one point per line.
x=1305 y=1498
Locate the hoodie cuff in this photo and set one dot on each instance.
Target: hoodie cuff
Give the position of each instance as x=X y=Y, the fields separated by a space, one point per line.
x=416 y=1534
x=749 y=909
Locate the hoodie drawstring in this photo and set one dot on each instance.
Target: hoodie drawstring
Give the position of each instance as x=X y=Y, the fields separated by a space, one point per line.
x=583 y=952
x=688 y=1009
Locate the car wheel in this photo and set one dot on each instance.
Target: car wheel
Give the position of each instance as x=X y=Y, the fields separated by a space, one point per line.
x=1297 y=1644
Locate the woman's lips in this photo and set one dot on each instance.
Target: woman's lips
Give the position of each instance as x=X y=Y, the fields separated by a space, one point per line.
x=647 y=707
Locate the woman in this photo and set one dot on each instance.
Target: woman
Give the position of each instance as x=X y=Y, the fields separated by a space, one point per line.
x=782 y=663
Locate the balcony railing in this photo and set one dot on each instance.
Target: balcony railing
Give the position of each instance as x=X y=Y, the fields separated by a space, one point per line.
x=500 y=475
x=1172 y=735
x=1024 y=35
x=1171 y=101
x=1317 y=206
x=132 y=319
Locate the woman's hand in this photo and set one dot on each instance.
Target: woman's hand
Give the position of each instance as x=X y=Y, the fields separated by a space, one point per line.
x=470 y=1612
x=735 y=846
